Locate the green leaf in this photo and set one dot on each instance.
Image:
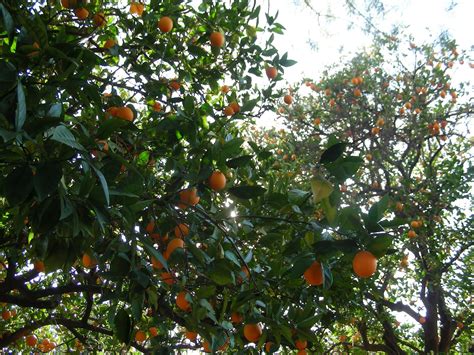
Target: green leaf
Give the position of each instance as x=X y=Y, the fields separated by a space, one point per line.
x=247 y=192
x=110 y=126
x=63 y=135
x=7 y=20
x=103 y=182
x=150 y=249
x=46 y=179
x=20 y=115
x=321 y=188
x=380 y=245
x=332 y=153
x=122 y=326
x=137 y=301
x=300 y=264
x=18 y=185
x=239 y=161
x=308 y=322
x=329 y=210
x=249 y=105
x=120 y=265
x=344 y=168
x=378 y=209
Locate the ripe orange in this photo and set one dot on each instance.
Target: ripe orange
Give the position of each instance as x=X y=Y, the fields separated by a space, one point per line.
x=125 y=113
x=268 y=346
x=235 y=106
x=252 y=332
x=88 y=262
x=332 y=103
x=136 y=8
x=175 y=85
x=39 y=266
x=165 y=24
x=156 y=263
x=153 y=331
x=190 y=335
x=422 y=320
x=408 y=105
x=271 y=72
x=206 y=346
x=182 y=303
x=399 y=206
x=217 y=39
x=81 y=13
x=368 y=156
x=150 y=227
x=364 y=264
x=217 y=181
x=302 y=352
x=172 y=246
x=69 y=4
x=167 y=278
x=110 y=43
x=225 y=89
x=411 y=234
x=31 y=340
x=181 y=230
x=188 y=197
x=375 y=131
x=99 y=20
x=380 y=122
x=228 y=111
x=288 y=99
x=357 y=93
x=6 y=315
x=317 y=121
x=416 y=224
x=140 y=336
x=156 y=106
x=314 y=274
x=236 y=318
x=301 y=344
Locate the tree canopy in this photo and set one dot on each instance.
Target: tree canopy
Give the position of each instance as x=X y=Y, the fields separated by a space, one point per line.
x=143 y=211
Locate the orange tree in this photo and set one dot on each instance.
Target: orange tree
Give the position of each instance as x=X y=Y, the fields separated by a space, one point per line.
x=403 y=125
x=120 y=162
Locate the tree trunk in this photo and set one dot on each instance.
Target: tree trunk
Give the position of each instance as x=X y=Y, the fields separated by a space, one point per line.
x=431 y=325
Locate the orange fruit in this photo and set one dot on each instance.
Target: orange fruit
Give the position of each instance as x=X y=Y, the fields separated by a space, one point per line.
x=252 y=332
x=156 y=106
x=206 y=346
x=167 y=278
x=175 y=85
x=150 y=227
x=99 y=20
x=182 y=303
x=380 y=122
x=314 y=274
x=411 y=234
x=368 y=157
x=288 y=99
x=228 y=111
x=136 y=8
x=165 y=24
x=140 y=336
x=153 y=331
x=181 y=230
x=236 y=318
x=271 y=72
x=190 y=335
x=317 y=121
x=156 y=263
x=217 y=181
x=235 y=106
x=225 y=89
x=125 y=113
x=31 y=340
x=110 y=43
x=172 y=246
x=88 y=262
x=217 y=39
x=302 y=352
x=364 y=264
x=375 y=131
x=408 y=105
x=301 y=344
x=188 y=197
x=422 y=320
x=81 y=13
x=357 y=93
x=268 y=346
x=38 y=266
x=6 y=315
x=332 y=102
x=399 y=206
x=69 y=4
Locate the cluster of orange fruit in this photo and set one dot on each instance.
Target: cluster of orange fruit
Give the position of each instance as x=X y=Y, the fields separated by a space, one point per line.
x=141 y=336
x=414 y=225
x=44 y=346
x=364 y=265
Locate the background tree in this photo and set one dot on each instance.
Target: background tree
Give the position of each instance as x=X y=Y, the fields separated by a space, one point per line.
x=407 y=126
